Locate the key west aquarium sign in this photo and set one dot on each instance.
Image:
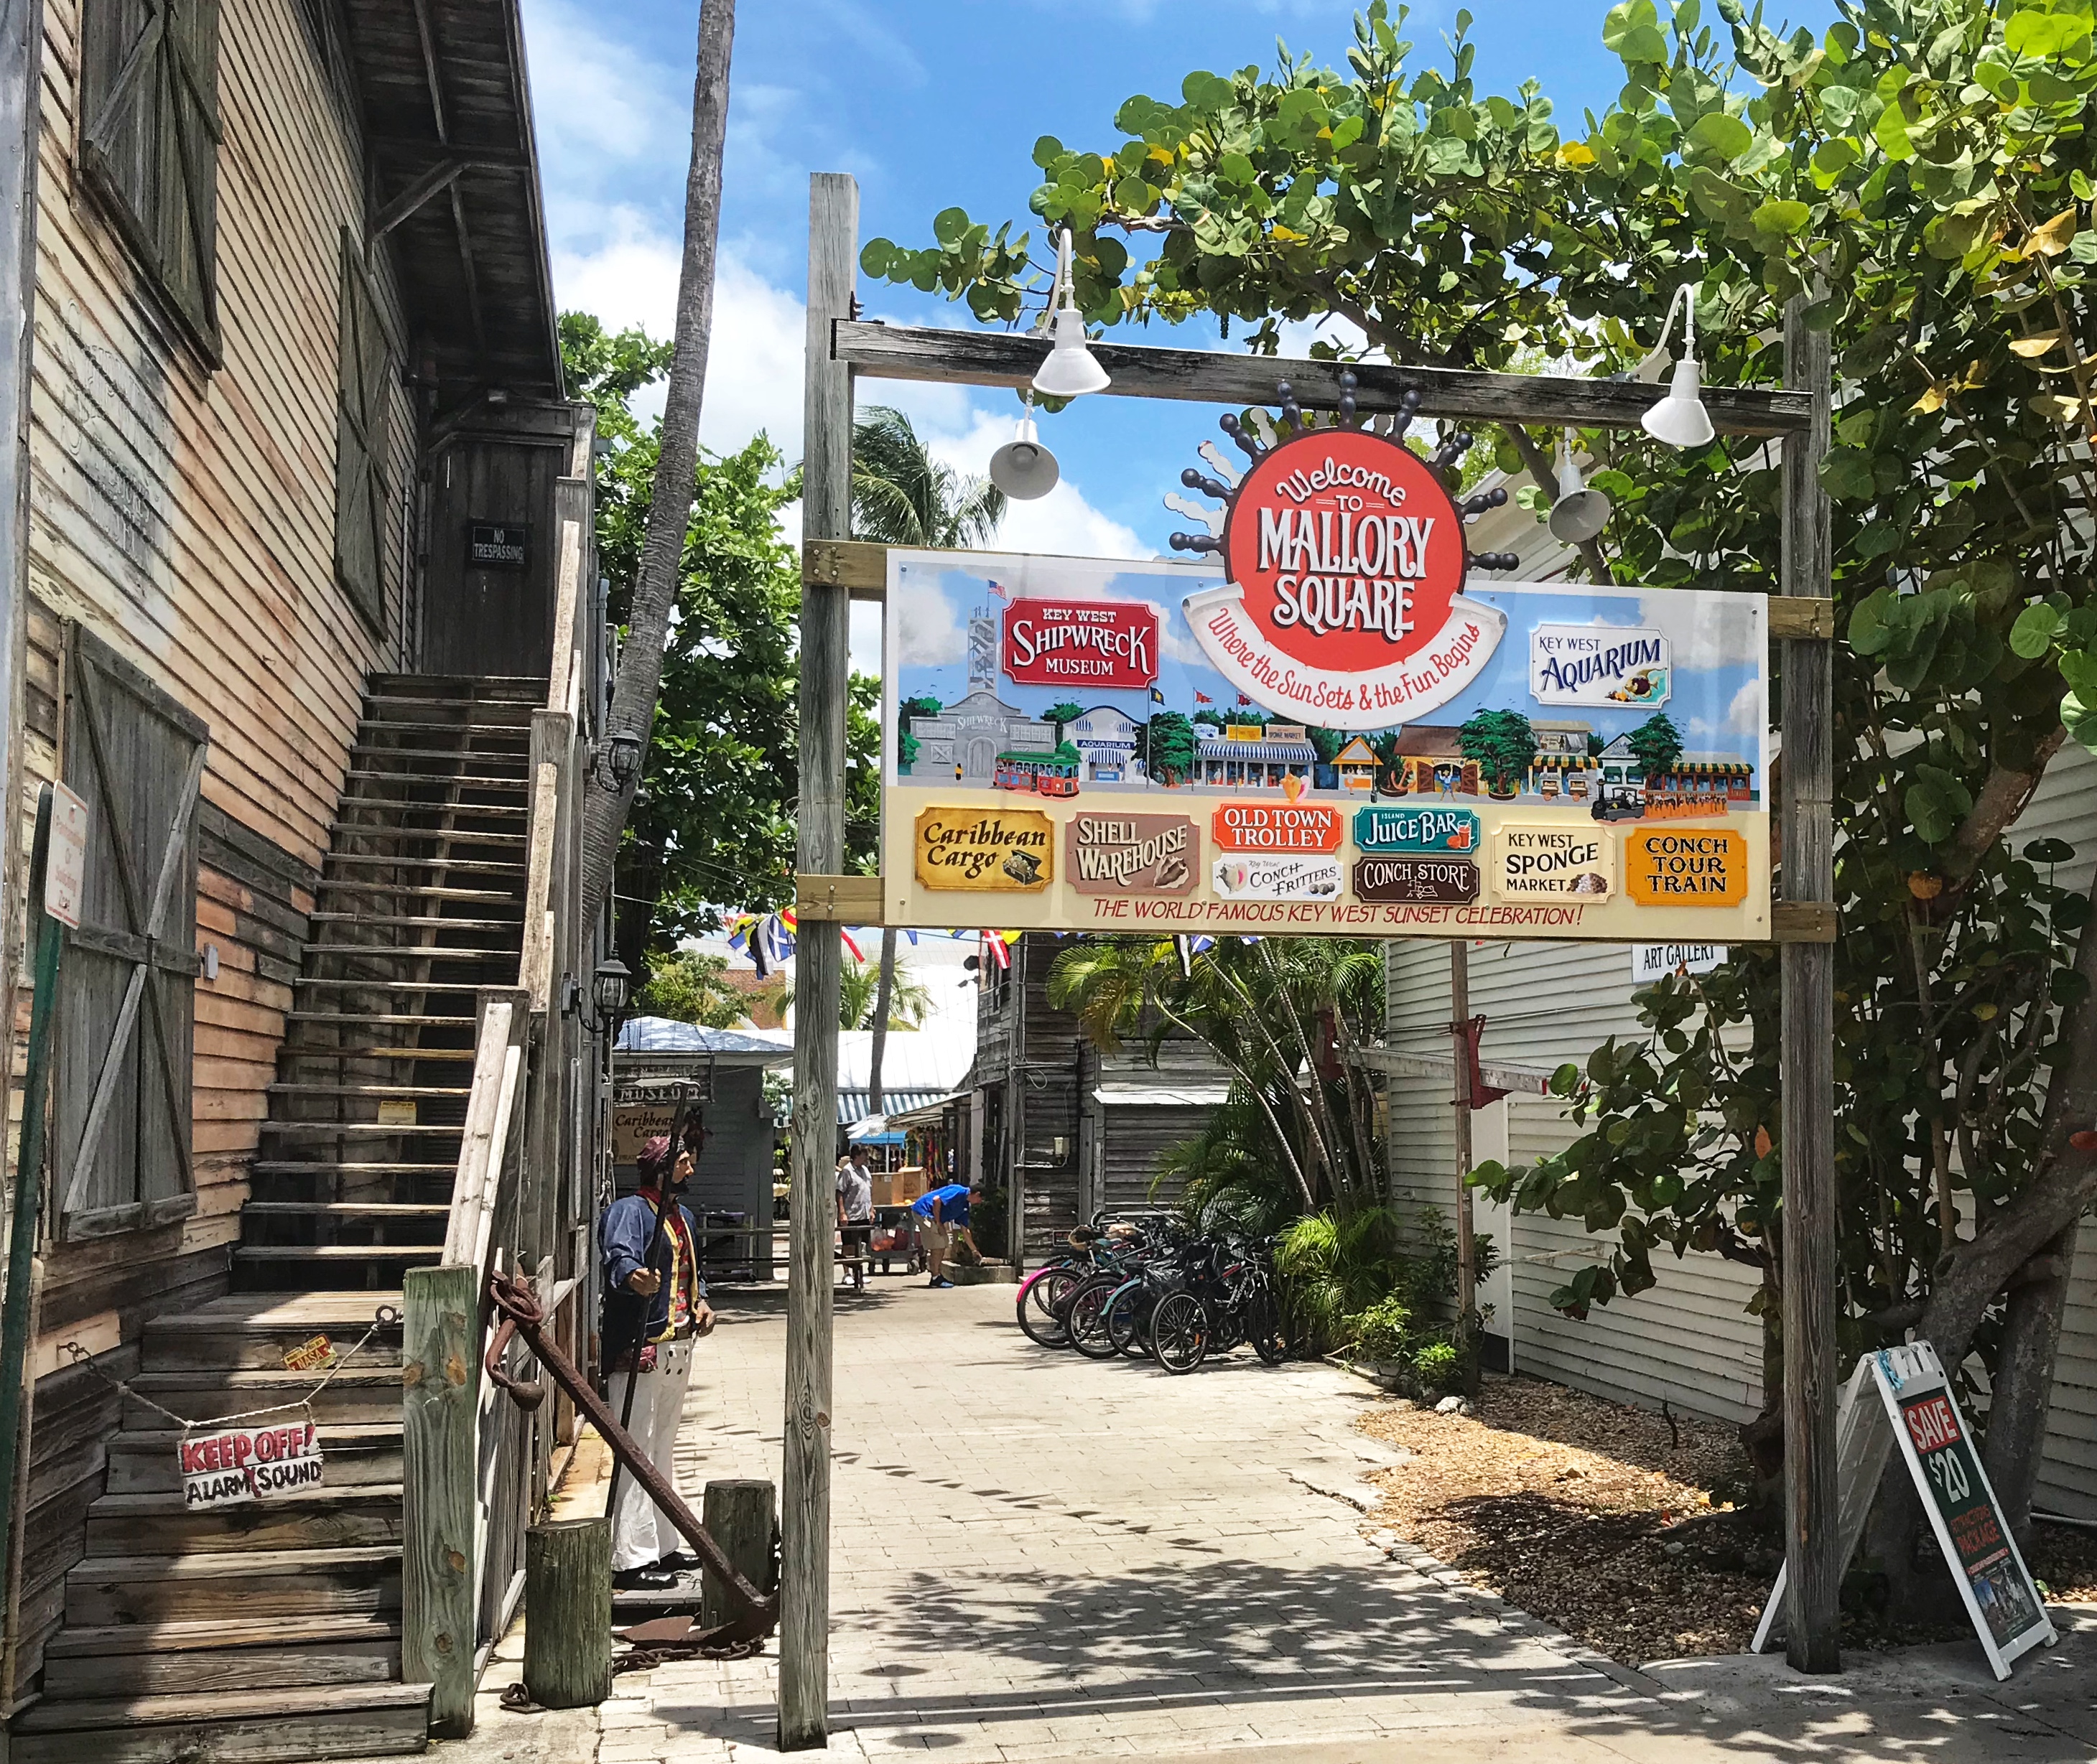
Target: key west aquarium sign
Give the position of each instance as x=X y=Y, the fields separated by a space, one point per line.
x=1383 y=749
x=1344 y=607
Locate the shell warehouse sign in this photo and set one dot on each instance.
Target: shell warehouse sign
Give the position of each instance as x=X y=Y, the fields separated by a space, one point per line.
x=1337 y=731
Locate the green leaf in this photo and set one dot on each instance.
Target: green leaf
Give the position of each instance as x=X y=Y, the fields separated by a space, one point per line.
x=2033 y=33
x=874 y=258
x=1846 y=475
x=1890 y=132
x=2079 y=715
x=1782 y=217
x=949 y=225
x=1047 y=151
x=1632 y=31
x=2031 y=635
x=1723 y=134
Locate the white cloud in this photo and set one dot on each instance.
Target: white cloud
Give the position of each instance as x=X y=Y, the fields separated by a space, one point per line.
x=594 y=96
x=1744 y=715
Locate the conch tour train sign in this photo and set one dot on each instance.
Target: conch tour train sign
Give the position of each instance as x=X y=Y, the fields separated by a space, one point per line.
x=1328 y=723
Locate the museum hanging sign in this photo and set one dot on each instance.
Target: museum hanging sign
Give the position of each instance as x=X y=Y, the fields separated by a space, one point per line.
x=1402 y=747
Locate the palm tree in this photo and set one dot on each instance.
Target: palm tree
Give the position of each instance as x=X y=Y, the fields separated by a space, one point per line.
x=901 y=495
x=859 y=987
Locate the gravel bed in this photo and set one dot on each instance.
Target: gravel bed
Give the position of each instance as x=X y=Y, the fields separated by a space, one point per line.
x=1621 y=1528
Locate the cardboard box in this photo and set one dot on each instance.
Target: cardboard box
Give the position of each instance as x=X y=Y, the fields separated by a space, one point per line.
x=898 y=1188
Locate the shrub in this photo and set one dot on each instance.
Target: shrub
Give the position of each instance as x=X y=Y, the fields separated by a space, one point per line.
x=1384 y=1331
x=1438 y=1368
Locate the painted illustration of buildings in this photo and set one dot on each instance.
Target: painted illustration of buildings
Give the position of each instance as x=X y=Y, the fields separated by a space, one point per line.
x=1430 y=762
x=1246 y=755
x=1356 y=764
x=1106 y=740
x=971 y=733
x=1562 y=765
x=1696 y=774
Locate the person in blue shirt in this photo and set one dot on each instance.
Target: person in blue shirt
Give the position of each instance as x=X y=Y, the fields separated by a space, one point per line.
x=655 y=1306
x=942 y=1214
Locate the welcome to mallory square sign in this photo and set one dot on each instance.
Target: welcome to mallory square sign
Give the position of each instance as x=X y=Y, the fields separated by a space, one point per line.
x=1340 y=730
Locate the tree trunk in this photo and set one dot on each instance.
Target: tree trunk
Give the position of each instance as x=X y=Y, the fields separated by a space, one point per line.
x=675 y=485
x=882 y=989
x=1969 y=1278
x=2023 y=1383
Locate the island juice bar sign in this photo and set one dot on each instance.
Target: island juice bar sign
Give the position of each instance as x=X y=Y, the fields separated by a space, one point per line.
x=1510 y=796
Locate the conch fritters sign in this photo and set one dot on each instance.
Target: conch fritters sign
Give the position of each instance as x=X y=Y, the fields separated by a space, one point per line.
x=1004 y=851
x=1345 y=604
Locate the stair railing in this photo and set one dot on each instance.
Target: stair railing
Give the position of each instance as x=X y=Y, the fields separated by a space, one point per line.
x=476 y=1474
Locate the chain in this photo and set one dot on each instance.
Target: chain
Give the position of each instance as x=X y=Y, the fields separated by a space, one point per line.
x=386 y=1318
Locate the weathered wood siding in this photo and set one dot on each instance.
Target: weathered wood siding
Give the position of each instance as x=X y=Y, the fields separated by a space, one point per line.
x=186 y=519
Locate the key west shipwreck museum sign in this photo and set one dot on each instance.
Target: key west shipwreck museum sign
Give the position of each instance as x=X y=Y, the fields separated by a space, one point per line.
x=1551 y=761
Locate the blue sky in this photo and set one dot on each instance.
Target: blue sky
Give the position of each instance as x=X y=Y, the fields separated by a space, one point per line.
x=928 y=103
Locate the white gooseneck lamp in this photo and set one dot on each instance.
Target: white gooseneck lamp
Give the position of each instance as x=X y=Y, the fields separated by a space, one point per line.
x=1680 y=419
x=1069 y=370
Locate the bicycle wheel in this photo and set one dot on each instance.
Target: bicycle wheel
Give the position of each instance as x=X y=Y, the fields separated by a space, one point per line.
x=1263 y=1329
x=1041 y=1304
x=1087 y=1317
x=1125 y=1320
x=1179 y=1332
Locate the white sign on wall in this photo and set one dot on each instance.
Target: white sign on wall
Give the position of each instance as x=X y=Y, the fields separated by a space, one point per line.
x=1601 y=665
x=65 y=863
x=1655 y=961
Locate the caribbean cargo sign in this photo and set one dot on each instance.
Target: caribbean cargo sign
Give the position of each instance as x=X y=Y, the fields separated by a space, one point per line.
x=1400 y=746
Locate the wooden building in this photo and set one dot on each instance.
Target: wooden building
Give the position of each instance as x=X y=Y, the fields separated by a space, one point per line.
x=1055 y=1130
x=303 y=606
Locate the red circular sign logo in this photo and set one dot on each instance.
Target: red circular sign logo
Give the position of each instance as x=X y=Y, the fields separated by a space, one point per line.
x=1347 y=547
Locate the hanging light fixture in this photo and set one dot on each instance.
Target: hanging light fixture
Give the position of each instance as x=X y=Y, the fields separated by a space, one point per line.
x=1579 y=513
x=1024 y=468
x=1680 y=419
x=1069 y=370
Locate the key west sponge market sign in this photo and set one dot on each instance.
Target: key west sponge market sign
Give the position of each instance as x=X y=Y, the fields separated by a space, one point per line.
x=1340 y=730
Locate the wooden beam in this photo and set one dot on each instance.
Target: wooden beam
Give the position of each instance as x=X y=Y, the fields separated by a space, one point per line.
x=859 y=567
x=1802 y=921
x=1801 y=618
x=843 y=900
x=804 y=1492
x=434 y=182
x=1010 y=358
x=440 y=1373
x=1813 y=1520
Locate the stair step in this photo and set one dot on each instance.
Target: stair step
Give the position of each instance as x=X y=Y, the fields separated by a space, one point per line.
x=357 y=1392
x=456 y=836
x=433 y=891
x=415 y=1254
x=357 y=1516
x=370 y=751
x=164 y=1659
x=353 y=1130
x=380 y=1167
x=356 y=1454
x=380 y=952
x=283 y=1087
x=253 y=1331
x=512 y=728
x=436 y=921
x=389 y=985
x=231 y=1727
x=397 y=807
x=465 y=866
x=348 y=1209
x=207 y=1585
x=377 y=1053
x=361 y=1020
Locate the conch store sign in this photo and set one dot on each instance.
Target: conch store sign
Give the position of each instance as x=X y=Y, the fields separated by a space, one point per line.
x=1327 y=728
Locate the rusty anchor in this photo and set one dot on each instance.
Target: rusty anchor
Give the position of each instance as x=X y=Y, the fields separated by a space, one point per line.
x=757 y=1614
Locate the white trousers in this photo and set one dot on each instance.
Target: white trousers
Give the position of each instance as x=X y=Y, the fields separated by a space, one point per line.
x=639 y=1534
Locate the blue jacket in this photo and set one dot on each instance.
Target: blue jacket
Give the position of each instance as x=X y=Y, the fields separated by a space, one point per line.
x=628 y=1223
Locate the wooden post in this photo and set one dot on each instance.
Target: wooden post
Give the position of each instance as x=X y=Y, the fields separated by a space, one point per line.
x=826 y=514
x=1467 y=1245
x=1813 y=1528
x=440 y=1397
x=738 y=1514
x=568 y=1613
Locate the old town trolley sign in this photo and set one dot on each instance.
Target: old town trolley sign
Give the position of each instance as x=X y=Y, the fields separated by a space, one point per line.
x=1345 y=600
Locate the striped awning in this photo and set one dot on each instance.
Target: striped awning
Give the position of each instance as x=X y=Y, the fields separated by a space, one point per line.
x=854 y=1106
x=1273 y=752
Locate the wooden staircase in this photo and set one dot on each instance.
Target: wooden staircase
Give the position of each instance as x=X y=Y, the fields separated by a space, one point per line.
x=272 y=1630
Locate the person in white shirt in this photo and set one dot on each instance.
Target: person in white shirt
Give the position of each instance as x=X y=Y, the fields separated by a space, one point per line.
x=856 y=1212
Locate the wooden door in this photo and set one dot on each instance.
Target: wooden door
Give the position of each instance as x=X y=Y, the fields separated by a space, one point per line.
x=121 y=1150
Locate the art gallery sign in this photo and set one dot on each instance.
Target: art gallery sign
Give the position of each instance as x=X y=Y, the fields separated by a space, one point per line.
x=1343 y=604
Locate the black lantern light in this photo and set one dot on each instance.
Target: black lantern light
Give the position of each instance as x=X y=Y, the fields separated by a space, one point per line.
x=615 y=762
x=611 y=987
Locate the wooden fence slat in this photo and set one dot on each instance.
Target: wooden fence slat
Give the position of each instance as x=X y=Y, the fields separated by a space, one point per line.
x=440 y=1449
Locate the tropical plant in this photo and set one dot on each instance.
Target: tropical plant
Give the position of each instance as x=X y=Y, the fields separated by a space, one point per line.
x=1332 y=1265
x=692 y=986
x=903 y=496
x=1504 y=744
x=909 y=1001
x=717 y=825
x=1281 y=1014
x=1656 y=745
x=1920 y=175
x=1063 y=715
x=1169 y=747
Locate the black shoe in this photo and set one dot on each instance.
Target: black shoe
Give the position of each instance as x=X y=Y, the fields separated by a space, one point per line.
x=652 y=1579
x=679 y=1562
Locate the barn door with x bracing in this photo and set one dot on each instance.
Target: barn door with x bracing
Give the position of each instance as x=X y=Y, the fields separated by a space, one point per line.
x=121 y=1151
